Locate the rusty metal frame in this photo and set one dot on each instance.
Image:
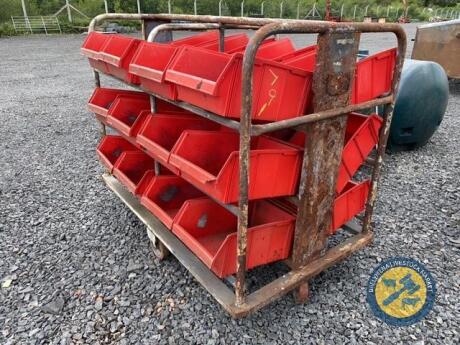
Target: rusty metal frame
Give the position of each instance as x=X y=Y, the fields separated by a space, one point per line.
x=330 y=84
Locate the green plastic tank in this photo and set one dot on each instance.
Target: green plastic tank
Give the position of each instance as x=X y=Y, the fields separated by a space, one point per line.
x=420 y=104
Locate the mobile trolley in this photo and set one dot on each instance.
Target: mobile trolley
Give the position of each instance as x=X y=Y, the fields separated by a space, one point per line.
x=337 y=49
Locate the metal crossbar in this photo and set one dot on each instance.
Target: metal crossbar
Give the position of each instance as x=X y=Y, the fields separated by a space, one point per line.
x=33 y=24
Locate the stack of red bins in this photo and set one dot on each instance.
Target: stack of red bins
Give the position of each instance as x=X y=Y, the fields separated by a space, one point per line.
x=183 y=167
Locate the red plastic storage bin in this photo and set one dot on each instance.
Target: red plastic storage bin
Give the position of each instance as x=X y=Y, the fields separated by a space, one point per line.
x=102 y=99
x=117 y=53
x=91 y=48
x=260 y=52
x=304 y=58
x=206 y=85
x=165 y=195
x=209 y=230
x=374 y=75
x=150 y=64
x=161 y=132
x=232 y=43
x=111 y=148
x=134 y=169
x=271 y=49
x=197 y=39
x=93 y=44
x=361 y=136
x=274 y=49
x=279 y=91
x=346 y=206
x=349 y=203
x=128 y=114
x=209 y=161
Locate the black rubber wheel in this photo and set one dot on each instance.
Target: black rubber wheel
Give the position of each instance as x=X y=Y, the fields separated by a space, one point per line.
x=159 y=249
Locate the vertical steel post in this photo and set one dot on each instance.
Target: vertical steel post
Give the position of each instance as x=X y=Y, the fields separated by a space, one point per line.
x=327 y=14
x=341 y=12
x=153 y=110
x=244 y=163
x=245 y=138
x=354 y=12
x=142 y=21
x=169 y=6
x=220 y=8
x=24 y=10
x=106 y=6
x=365 y=11
x=14 y=24
x=332 y=86
x=281 y=9
x=69 y=12
x=242 y=8
x=262 y=8
x=221 y=39
x=97 y=79
x=44 y=25
x=153 y=104
x=26 y=17
x=194 y=7
x=97 y=83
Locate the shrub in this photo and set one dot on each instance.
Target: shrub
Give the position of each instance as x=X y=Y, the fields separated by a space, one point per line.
x=7 y=29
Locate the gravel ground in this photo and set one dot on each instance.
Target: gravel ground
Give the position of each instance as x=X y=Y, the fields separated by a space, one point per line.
x=79 y=262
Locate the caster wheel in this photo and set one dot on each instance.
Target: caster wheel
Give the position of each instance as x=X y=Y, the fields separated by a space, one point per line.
x=302 y=293
x=158 y=248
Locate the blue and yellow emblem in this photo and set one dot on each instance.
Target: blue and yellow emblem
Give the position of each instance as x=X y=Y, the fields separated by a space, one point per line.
x=401 y=291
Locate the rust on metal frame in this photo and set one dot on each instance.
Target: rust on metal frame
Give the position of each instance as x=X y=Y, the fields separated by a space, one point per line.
x=180 y=27
x=223 y=295
x=298 y=276
x=318 y=116
x=336 y=90
x=332 y=86
x=244 y=22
